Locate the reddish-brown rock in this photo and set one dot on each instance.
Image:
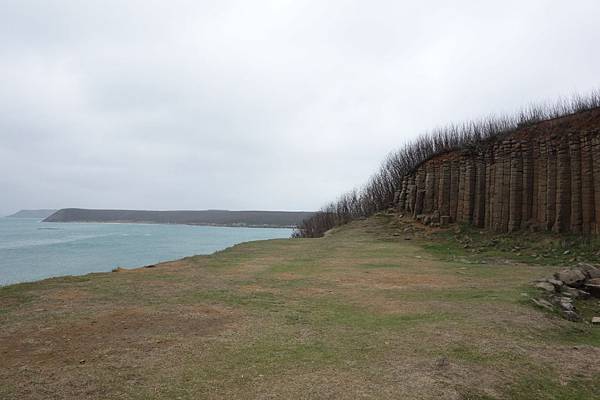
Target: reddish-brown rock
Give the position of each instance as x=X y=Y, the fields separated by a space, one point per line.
x=541 y=177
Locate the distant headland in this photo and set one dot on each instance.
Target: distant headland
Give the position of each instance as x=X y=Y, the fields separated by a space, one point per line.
x=32 y=214
x=275 y=219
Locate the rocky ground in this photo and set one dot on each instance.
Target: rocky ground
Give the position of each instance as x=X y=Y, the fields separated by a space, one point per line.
x=560 y=292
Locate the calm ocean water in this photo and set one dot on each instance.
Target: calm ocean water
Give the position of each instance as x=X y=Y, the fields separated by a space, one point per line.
x=32 y=250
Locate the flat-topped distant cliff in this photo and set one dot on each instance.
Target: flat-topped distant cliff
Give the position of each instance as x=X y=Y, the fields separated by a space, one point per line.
x=287 y=219
x=32 y=214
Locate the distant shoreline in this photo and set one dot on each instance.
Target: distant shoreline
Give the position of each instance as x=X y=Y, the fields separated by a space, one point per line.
x=252 y=219
x=169 y=223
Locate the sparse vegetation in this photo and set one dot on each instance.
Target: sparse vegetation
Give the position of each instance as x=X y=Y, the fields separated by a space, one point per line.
x=360 y=313
x=378 y=194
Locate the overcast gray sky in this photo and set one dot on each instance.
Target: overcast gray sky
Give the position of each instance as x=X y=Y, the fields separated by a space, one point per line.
x=259 y=104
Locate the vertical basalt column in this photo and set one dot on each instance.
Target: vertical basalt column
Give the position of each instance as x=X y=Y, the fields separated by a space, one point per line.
x=596 y=168
x=542 y=178
x=563 y=188
x=551 y=185
x=454 y=179
x=400 y=198
x=461 y=191
x=505 y=188
x=498 y=189
x=469 y=195
x=526 y=153
x=479 y=198
x=587 y=185
x=429 y=188
x=438 y=187
x=445 y=179
x=411 y=191
x=436 y=184
x=420 y=191
x=535 y=168
x=488 y=186
x=515 y=188
x=576 y=204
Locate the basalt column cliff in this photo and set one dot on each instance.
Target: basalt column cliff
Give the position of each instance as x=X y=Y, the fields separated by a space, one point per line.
x=541 y=177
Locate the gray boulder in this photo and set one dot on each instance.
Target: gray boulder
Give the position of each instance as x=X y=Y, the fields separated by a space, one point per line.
x=544 y=304
x=548 y=287
x=571 y=277
x=589 y=270
x=574 y=293
x=557 y=284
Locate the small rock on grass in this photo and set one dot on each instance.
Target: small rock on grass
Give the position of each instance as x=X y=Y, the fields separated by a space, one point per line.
x=566 y=304
x=558 y=284
x=570 y=277
x=548 y=287
x=543 y=303
x=589 y=270
x=574 y=293
x=442 y=362
x=571 y=316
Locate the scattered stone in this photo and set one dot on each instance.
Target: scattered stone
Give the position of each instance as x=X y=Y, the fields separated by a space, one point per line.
x=571 y=316
x=589 y=270
x=566 y=304
x=570 y=292
x=595 y=281
x=584 y=295
x=569 y=285
x=594 y=290
x=567 y=252
x=557 y=284
x=543 y=303
x=548 y=287
x=442 y=362
x=594 y=273
x=570 y=277
x=574 y=293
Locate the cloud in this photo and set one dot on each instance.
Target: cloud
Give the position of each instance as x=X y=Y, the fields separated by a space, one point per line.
x=258 y=105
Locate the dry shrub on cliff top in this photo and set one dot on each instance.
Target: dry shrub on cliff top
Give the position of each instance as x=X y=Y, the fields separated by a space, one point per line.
x=378 y=193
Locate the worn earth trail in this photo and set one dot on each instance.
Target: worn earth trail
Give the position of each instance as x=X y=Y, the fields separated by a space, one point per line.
x=359 y=314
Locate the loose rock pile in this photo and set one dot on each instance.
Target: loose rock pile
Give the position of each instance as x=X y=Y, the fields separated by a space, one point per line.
x=560 y=291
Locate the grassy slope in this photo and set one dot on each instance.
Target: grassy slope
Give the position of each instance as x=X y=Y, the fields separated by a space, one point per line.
x=361 y=313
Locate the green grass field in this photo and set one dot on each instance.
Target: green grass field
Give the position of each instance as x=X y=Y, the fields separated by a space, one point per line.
x=359 y=314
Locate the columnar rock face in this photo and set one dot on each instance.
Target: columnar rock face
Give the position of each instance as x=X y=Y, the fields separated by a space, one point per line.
x=545 y=177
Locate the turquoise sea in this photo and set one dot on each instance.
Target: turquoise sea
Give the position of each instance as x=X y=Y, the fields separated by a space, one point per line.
x=32 y=250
